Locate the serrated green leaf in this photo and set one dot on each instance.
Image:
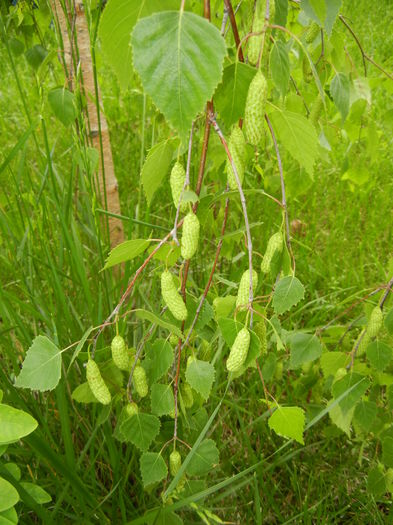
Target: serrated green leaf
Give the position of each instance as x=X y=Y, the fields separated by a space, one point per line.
x=156 y=166
x=153 y=468
x=365 y=414
x=376 y=481
x=83 y=394
x=162 y=399
x=126 y=251
x=288 y=422
x=379 y=354
x=200 y=376
x=230 y=97
x=8 y=495
x=116 y=24
x=159 y=357
x=41 y=368
x=62 y=103
x=298 y=136
x=332 y=361
x=389 y=321
x=179 y=57
x=304 y=348
x=341 y=419
x=204 y=458
x=279 y=64
x=141 y=429
x=348 y=381
x=36 y=492
x=340 y=91
x=15 y=424
x=288 y=292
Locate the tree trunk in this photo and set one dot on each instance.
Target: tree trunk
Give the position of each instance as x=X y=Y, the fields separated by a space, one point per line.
x=76 y=28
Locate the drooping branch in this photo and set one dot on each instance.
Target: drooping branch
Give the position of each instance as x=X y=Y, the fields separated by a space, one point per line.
x=244 y=208
x=283 y=195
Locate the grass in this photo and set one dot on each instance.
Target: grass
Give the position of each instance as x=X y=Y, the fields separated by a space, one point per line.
x=51 y=253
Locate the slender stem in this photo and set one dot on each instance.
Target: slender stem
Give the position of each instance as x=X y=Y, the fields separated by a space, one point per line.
x=229 y=10
x=385 y=295
x=244 y=207
x=131 y=284
x=283 y=196
x=342 y=19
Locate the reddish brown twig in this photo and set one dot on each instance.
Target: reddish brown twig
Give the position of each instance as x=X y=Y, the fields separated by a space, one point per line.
x=229 y=8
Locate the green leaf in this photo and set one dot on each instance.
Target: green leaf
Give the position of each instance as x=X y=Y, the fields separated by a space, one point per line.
x=141 y=429
x=159 y=357
x=288 y=422
x=36 y=55
x=200 y=376
x=298 y=136
x=332 y=361
x=126 y=251
x=8 y=495
x=42 y=366
x=365 y=414
x=162 y=399
x=304 y=348
x=36 y=492
x=153 y=468
x=156 y=167
x=341 y=419
x=167 y=517
x=117 y=22
x=153 y=318
x=230 y=97
x=379 y=354
x=83 y=394
x=332 y=9
x=9 y=517
x=288 y=292
x=281 y=12
x=62 y=103
x=387 y=451
x=15 y=424
x=14 y=470
x=389 y=321
x=179 y=57
x=223 y=306
x=205 y=457
x=279 y=63
x=340 y=91
x=376 y=481
x=339 y=387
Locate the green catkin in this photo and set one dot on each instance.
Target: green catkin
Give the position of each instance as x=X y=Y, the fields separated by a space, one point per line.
x=279 y=371
x=132 y=409
x=243 y=293
x=307 y=71
x=96 y=383
x=365 y=339
x=187 y=395
x=274 y=245
x=260 y=330
x=316 y=111
x=239 y=351
x=120 y=353
x=237 y=149
x=174 y=462
x=173 y=340
x=375 y=322
x=190 y=236
x=255 y=42
x=255 y=109
x=140 y=381
x=177 y=180
x=312 y=32
x=171 y=298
